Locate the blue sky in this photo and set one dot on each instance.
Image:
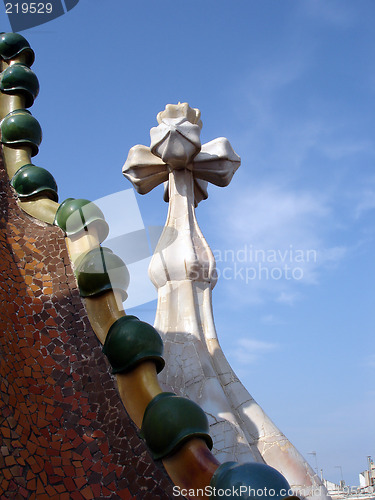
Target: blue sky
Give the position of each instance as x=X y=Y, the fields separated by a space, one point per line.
x=291 y=85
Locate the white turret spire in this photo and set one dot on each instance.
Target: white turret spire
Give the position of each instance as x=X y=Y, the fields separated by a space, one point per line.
x=183 y=271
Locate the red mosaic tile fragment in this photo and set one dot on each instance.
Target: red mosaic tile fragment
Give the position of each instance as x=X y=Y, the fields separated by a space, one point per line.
x=87 y=493
x=125 y=495
x=69 y=483
x=80 y=481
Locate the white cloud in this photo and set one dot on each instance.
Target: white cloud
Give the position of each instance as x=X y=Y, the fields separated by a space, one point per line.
x=335 y=12
x=270 y=216
x=271 y=319
x=332 y=257
x=248 y=351
x=370 y=360
x=366 y=203
x=288 y=298
x=343 y=147
x=279 y=237
x=267 y=81
x=282 y=211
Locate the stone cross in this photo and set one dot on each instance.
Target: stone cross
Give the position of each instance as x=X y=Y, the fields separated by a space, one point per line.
x=183 y=267
x=183 y=271
x=177 y=158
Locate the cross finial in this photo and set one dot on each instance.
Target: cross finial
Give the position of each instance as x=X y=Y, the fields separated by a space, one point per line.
x=175 y=144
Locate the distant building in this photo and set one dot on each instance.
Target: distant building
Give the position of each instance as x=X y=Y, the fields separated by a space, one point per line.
x=332 y=487
x=367 y=478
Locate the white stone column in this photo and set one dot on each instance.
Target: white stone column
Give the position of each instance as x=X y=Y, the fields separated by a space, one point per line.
x=183 y=271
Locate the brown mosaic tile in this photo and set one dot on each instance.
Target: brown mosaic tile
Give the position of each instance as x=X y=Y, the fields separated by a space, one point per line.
x=64 y=432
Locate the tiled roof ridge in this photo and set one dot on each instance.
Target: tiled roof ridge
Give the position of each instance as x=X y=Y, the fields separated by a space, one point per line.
x=35 y=193
x=64 y=432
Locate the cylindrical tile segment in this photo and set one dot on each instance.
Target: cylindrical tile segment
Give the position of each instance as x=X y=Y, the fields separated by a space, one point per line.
x=104 y=310
x=137 y=388
x=192 y=466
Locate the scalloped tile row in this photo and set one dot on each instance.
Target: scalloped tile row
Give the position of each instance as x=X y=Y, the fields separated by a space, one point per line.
x=85 y=446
